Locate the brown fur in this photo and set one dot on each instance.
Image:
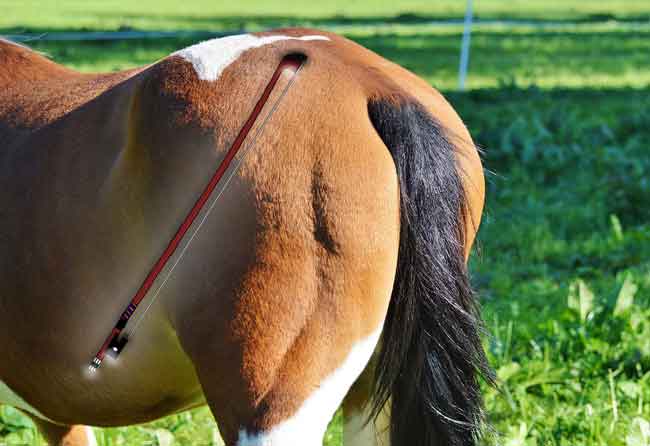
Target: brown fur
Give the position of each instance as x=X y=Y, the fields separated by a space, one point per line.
x=295 y=266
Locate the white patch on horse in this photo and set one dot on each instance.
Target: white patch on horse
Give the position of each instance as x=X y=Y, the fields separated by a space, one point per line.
x=11 y=42
x=211 y=57
x=90 y=436
x=10 y=398
x=307 y=426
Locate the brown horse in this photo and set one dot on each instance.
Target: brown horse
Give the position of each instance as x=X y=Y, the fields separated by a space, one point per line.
x=343 y=234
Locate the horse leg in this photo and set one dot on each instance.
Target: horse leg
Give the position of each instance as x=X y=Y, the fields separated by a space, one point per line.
x=357 y=429
x=283 y=387
x=62 y=435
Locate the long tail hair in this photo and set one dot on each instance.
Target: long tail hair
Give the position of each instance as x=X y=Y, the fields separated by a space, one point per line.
x=431 y=356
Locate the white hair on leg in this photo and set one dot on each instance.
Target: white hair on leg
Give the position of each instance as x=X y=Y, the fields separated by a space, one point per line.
x=90 y=436
x=307 y=426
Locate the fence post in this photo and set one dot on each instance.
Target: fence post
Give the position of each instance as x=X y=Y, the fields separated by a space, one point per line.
x=464 y=50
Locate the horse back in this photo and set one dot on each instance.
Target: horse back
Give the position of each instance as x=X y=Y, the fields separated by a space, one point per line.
x=35 y=91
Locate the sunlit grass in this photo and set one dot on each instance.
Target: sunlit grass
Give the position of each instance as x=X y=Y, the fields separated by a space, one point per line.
x=222 y=14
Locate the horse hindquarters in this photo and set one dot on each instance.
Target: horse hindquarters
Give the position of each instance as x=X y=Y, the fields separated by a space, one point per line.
x=319 y=202
x=318 y=220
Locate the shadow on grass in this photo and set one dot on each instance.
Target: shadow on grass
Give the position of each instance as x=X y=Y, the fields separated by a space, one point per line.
x=565 y=163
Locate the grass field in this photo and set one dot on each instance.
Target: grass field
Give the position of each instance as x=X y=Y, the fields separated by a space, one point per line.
x=563 y=268
x=220 y=14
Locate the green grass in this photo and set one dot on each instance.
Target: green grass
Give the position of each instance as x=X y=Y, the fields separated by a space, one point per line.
x=563 y=115
x=220 y=14
x=565 y=229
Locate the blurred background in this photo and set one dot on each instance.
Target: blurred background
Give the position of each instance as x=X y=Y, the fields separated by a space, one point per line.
x=557 y=95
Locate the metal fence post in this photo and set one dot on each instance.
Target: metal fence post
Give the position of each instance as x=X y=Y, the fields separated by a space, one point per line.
x=464 y=50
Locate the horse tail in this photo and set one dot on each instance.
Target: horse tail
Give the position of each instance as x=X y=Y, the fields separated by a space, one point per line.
x=430 y=357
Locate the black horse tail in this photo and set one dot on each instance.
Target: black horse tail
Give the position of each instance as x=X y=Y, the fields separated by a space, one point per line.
x=431 y=357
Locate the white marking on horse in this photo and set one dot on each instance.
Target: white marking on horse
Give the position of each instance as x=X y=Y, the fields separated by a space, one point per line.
x=11 y=42
x=90 y=436
x=307 y=426
x=9 y=397
x=211 y=57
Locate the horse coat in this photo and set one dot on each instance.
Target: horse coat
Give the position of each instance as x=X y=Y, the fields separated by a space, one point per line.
x=363 y=182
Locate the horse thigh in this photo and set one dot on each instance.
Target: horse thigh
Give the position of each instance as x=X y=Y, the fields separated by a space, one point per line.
x=290 y=399
x=300 y=332
x=294 y=325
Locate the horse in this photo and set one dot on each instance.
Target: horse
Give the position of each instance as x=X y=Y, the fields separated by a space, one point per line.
x=332 y=272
